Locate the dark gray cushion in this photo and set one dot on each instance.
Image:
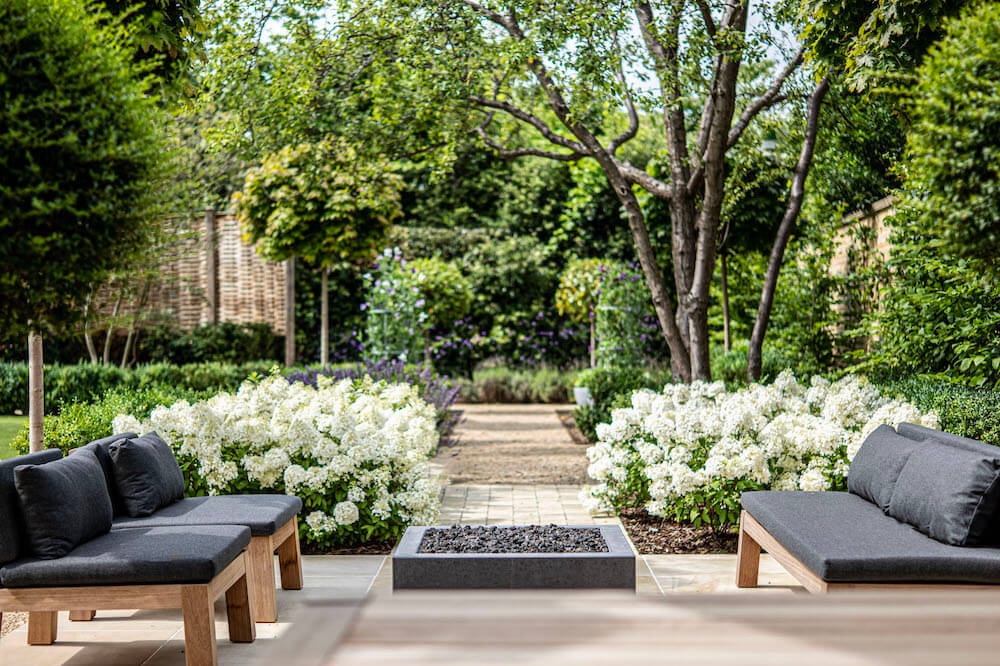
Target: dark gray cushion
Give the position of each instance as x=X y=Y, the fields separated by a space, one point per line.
x=136 y=557
x=64 y=502
x=947 y=492
x=843 y=538
x=147 y=474
x=920 y=433
x=263 y=514
x=100 y=448
x=877 y=464
x=13 y=540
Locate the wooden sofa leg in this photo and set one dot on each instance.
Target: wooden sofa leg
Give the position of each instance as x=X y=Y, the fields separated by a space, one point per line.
x=200 y=648
x=42 y=627
x=241 y=624
x=82 y=615
x=748 y=559
x=290 y=559
x=260 y=576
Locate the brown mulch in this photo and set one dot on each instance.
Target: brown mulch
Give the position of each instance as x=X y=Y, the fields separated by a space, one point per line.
x=566 y=416
x=370 y=548
x=655 y=536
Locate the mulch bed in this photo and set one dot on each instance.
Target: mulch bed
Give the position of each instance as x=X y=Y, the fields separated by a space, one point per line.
x=364 y=549
x=655 y=536
x=566 y=416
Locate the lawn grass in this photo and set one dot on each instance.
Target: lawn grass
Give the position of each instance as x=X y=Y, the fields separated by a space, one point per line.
x=9 y=425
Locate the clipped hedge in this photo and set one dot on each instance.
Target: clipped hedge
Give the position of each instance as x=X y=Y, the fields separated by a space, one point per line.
x=85 y=382
x=507 y=385
x=962 y=410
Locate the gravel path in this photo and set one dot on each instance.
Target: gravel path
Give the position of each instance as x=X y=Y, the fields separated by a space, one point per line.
x=12 y=621
x=513 y=444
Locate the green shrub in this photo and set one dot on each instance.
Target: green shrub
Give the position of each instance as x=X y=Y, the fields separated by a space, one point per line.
x=506 y=385
x=86 y=382
x=731 y=366
x=81 y=422
x=962 y=410
x=223 y=343
x=611 y=388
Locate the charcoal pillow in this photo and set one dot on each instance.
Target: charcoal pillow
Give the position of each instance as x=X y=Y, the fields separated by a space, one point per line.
x=146 y=473
x=65 y=503
x=949 y=494
x=876 y=466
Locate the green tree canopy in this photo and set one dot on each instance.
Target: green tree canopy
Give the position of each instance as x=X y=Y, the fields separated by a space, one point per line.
x=318 y=201
x=82 y=158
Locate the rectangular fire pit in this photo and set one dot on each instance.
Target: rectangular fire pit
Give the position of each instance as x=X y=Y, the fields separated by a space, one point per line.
x=414 y=570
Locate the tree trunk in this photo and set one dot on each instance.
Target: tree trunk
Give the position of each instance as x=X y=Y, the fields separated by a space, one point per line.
x=109 y=336
x=290 y=312
x=755 y=353
x=324 y=317
x=36 y=393
x=87 y=337
x=132 y=334
x=727 y=339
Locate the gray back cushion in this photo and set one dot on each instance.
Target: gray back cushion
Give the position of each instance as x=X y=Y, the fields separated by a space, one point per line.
x=65 y=503
x=877 y=464
x=12 y=537
x=920 y=433
x=147 y=474
x=948 y=493
x=100 y=448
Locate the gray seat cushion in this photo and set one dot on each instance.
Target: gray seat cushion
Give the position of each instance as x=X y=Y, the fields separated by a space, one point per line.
x=948 y=493
x=877 y=465
x=64 y=502
x=136 y=557
x=263 y=514
x=100 y=448
x=147 y=474
x=13 y=540
x=845 y=539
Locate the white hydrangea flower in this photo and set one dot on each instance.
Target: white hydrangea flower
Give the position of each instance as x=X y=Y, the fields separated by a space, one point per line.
x=346 y=513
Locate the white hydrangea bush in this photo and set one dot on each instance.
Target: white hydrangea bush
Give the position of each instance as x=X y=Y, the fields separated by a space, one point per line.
x=688 y=453
x=356 y=452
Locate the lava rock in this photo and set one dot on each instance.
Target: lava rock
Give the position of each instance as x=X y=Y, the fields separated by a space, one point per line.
x=529 y=539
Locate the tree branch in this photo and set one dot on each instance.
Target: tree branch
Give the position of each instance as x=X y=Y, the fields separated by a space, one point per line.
x=706 y=15
x=637 y=176
x=765 y=101
x=529 y=118
x=633 y=116
x=521 y=152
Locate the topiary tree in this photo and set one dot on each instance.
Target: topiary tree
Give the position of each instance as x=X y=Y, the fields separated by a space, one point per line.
x=952 y=174
x=579 y=292
x=446 y=292
x=82 y=159
x=317 y=201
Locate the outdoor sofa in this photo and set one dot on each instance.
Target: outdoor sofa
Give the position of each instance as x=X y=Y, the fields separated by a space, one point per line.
x=922 y=510
x=272 y=520
x=57 y=551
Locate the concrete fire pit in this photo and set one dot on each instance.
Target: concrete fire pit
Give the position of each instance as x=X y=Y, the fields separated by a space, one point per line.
x=415 y=570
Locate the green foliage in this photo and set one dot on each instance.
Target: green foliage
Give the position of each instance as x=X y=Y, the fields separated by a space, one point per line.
x=320 y=202
x=512 y=279
x=962 y=410
x=507 y=385
x=610 y=388
x=395 y=315
x=936 y=315
x=580 y=288
x=731 y=367
x=445 y=290
x=168 y=32
x=952 y=171
x=84 y=382
x=223 y=343
x=82 y=158
x=84 y=421
x=624 y=306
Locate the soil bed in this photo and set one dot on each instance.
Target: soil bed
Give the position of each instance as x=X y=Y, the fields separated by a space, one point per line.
x=531 y=539
x=371 y=548
x=655 y=536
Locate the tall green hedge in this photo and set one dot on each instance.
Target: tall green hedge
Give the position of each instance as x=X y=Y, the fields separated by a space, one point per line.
x=963 y=410
x=86 y=382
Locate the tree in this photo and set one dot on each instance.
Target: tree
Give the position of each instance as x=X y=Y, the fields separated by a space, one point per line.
x=563 y=81
x=580 y=290
x=952 y=177
x=164 y=33
x=82 y=160
x=318 y=201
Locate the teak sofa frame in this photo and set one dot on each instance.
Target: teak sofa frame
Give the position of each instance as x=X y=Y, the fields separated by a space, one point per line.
x=753 y=538
x=260 y=571
x=196 y=601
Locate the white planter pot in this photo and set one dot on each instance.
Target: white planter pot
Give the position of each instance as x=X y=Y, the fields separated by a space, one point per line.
x=582 y=396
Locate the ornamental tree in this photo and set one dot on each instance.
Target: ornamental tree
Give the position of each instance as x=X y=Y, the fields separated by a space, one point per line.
x=82 y=160
x=570 y=81
x=317 y=201
x=579 y=292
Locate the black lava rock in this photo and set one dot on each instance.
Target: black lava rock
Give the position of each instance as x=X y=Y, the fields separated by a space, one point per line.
x=530 y=539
